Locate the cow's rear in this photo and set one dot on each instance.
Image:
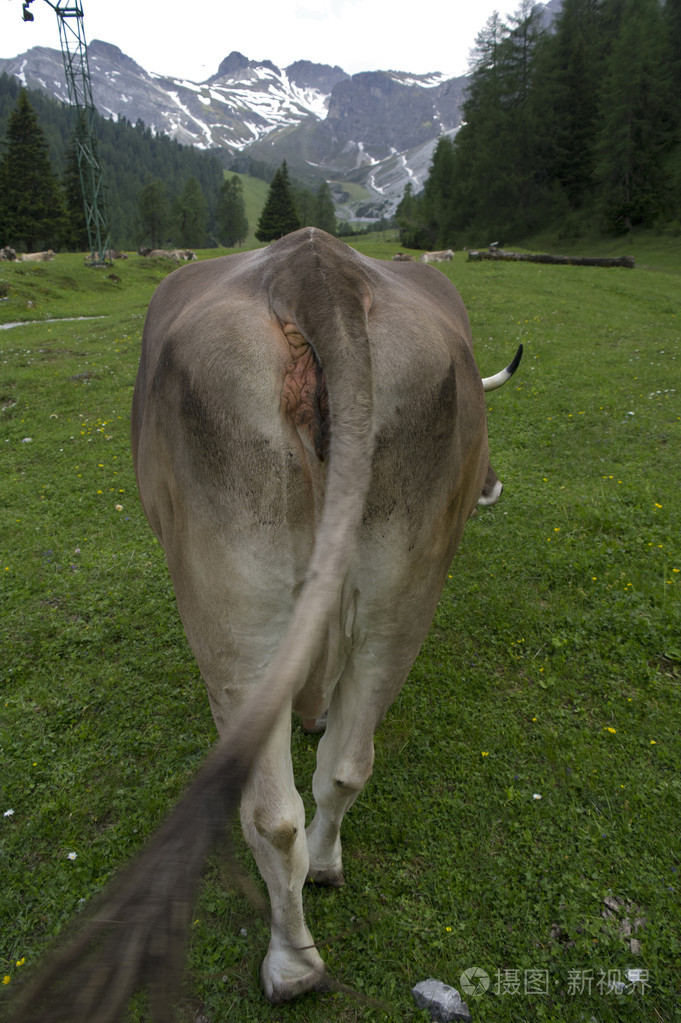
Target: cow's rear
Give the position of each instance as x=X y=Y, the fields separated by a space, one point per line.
x=309 y=440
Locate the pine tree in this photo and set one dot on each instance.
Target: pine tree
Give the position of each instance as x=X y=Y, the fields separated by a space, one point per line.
x=279 y=215
x=438 y=209
x=497 y=173
x=231 y=215
x=480 y=165
x=409 y=219
x=153 y=212
x=635 y=128
x=672 y=27
x=305 y=203
x=190 y=216
x=325 y=212
x=32 y=212
x=566 y=97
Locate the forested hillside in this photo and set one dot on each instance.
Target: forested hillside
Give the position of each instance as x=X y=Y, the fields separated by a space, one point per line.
x=578 y=127
x=158 y=192
x=133 y=159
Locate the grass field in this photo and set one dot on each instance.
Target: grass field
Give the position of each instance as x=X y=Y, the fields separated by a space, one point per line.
x=523 y=817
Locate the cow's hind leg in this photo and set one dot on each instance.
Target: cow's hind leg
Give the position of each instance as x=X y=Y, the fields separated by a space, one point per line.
x=345 y=759
x=273 y=821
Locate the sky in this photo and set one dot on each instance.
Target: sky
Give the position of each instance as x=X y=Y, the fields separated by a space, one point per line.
x=189 y=40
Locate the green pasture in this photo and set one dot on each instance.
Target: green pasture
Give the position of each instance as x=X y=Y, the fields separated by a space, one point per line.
x=523 y=817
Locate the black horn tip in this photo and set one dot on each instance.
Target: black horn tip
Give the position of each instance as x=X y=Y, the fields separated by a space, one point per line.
x=516 y=360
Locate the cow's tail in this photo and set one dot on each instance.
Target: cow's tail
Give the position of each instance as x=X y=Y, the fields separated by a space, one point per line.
x=135 y=937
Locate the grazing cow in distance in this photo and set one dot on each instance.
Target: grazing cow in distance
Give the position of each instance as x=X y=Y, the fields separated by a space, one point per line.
x=175 y=254
x=115 y=254
x=184 y=254
x=8 y=253
x=402 y=257
x=37 y=257
x=437 y=257
x=309 y=439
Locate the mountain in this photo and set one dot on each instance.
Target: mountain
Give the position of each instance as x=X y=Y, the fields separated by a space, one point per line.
x=368 y=134
x=376 y=129
x=243 y=101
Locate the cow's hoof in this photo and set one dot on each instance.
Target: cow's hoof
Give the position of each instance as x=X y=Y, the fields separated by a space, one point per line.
x=332 y=877
x=282 y=983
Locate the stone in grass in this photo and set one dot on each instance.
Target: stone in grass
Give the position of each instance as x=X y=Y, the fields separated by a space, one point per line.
x=442 y=1002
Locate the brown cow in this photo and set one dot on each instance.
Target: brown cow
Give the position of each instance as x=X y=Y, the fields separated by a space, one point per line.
x=37 y=257
x=175 y=254
x=309 y=440
x=437 y=257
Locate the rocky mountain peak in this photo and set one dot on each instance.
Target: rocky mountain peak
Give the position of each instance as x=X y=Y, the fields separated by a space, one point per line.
x=235 y=63
x=307 y=75
x=113 y=55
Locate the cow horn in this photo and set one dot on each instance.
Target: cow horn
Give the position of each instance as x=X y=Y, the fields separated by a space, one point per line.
x=491 y=383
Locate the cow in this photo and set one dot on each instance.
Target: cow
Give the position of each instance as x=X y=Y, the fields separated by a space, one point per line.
x=437 y=257
x=115 y=254
x=402 y=257
x=8 y=253
x=175 y=254
x=309 y=439
x=37 y=257
x=184 y=254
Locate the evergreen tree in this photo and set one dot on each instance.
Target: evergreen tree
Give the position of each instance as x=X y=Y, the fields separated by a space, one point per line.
x=130 y=156
x=304 y=201
x=409 y=217
x=190 y=216
x=566 y=99
x=231 y=214
x=497 y=170
x=153 y=213
x=480 y=165
x=437 y=207
x=635 y=127
x=672 y=27
x=325 y=212
x=279 y=215
x=32 y=212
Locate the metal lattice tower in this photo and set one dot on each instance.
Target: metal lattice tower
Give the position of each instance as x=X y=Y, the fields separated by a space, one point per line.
x=79 y=84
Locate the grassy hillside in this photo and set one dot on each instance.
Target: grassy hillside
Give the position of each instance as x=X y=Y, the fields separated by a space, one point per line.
x=523 y=814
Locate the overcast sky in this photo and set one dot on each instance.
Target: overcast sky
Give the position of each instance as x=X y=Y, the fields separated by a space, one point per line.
x=188 y=40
